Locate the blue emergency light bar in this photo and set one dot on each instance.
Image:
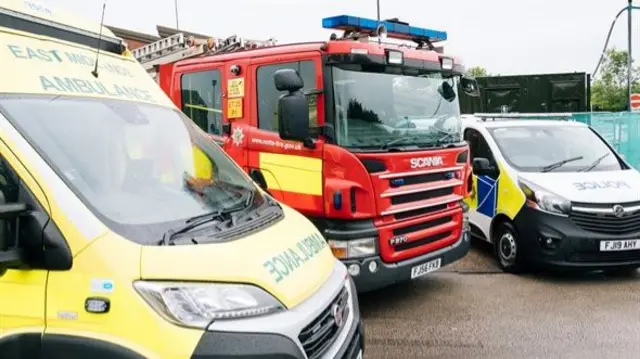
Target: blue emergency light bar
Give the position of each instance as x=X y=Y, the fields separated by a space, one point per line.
x=394 y=30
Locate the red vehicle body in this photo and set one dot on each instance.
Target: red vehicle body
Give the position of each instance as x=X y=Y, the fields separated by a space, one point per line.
x=401 y=206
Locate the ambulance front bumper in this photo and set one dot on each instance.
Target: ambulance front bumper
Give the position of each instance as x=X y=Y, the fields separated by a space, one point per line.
x=552 y=241
x=282 y=335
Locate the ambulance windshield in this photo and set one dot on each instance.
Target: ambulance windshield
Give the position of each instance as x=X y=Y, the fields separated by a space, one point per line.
x=141 y=168
x=553 y=148
x=394 y=106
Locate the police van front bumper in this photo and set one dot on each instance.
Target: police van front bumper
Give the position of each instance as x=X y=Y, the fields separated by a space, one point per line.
x=281 y=335
x=553 y=241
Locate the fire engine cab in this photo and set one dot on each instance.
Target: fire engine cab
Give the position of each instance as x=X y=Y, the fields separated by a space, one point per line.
x=360 y=133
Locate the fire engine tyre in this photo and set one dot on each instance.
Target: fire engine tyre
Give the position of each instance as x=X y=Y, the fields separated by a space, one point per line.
x=506 y=244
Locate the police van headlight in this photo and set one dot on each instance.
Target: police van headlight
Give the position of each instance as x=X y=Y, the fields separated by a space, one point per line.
x=196 y=305
x=356 y=248
x=543 y=200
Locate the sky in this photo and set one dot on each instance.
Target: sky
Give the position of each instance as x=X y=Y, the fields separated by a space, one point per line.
x=503 y=36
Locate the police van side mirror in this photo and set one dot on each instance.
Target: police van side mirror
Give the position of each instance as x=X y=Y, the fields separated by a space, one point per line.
x=481 y=166
x=293 y=108
x=11 y=251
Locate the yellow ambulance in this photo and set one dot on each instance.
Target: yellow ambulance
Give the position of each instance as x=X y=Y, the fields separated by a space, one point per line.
x=125 y=232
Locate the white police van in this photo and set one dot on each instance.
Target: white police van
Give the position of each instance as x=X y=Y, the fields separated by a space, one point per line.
x=551 y=193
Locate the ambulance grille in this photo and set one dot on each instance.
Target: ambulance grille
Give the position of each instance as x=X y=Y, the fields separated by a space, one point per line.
x=321 y=333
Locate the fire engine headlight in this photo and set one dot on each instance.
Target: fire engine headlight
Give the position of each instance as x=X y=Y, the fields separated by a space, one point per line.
x=543 y=200
x=196 y=305
x=356 y=248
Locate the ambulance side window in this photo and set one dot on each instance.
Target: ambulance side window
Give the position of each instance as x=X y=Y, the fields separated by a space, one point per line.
x=202 y=100
x=9 y=182
x=268 y=95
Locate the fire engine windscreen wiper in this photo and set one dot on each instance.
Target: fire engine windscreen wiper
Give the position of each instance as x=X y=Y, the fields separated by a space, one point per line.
x=555 y=165
x=212 y=216
x=398 y=141
x=595 y=163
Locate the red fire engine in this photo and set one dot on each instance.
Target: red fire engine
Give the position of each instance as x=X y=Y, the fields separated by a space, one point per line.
x=361 y=134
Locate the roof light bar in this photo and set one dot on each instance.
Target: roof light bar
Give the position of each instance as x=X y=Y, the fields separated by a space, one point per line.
x=395 y=30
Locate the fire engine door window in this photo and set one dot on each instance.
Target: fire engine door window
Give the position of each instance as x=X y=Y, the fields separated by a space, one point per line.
x=268 y=95
x=202 y=100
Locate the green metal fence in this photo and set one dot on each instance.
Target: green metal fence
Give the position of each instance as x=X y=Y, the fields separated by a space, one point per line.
x=620 y=129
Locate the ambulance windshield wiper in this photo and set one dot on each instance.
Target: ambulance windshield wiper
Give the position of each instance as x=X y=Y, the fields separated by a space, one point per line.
x=212 y=216
x=559 y=164
x=594 y=163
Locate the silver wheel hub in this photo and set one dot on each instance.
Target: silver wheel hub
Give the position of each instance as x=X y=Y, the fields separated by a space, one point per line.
x=507 y=248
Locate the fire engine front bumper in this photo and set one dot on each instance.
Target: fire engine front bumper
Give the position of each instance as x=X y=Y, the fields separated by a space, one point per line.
x=386 y=274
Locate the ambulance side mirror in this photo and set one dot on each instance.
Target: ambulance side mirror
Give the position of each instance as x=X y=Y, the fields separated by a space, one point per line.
x=293 y=107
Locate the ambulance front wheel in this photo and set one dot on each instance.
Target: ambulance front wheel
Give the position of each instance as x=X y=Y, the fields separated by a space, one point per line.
x=506 y=242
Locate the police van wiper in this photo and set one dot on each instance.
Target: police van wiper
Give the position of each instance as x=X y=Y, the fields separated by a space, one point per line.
x=559 y=164
x=595 y=163
x=199 y=220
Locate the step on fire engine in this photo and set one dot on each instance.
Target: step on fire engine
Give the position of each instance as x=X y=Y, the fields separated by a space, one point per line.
x=361 y=133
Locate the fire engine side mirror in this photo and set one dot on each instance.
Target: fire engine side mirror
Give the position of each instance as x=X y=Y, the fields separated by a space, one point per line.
x=469 y=86
x=293 y=108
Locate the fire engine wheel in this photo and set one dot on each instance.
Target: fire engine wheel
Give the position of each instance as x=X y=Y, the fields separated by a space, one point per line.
x=506 y=246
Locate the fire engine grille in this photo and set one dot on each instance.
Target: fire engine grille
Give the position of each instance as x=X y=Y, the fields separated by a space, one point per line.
x=608 y=223
x=319 y=335
x=425 y=178
x=420 y=196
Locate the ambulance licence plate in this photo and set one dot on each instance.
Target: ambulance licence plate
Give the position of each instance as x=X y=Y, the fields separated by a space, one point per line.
x=624 y=245
x=425 y=268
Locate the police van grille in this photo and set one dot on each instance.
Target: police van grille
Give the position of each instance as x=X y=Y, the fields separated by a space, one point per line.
x=605 y=221
x=321 y=333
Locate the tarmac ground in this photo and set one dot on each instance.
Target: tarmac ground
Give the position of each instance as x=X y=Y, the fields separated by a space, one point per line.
x=471 y=309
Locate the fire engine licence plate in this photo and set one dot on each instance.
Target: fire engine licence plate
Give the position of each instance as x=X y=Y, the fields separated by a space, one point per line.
x=425 y=268
x=628 y=245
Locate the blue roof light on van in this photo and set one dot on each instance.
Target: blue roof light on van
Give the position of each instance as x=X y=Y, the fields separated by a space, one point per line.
x=395 y=30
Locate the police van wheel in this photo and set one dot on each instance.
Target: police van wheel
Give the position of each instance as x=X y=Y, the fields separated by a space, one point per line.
x=506 y=246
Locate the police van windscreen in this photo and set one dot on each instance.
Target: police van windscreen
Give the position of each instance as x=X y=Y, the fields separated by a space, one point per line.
x=374 y=107
x=141 y=168
x=554 y=148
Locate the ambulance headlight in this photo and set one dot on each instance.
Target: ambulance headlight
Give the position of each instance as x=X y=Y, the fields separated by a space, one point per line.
x=196 y=305
x=543 y=200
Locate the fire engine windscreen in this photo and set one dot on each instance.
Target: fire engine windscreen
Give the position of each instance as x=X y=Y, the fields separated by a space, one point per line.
x=376 y=108
x=142 y=169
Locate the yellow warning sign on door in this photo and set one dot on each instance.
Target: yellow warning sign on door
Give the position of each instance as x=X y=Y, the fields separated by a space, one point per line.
x=235 y=87
x=234 y=108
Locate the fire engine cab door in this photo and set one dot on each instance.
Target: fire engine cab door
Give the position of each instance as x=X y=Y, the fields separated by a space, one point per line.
x=291 y=172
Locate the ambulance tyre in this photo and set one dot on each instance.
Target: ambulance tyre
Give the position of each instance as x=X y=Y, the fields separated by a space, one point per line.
x=506 y=245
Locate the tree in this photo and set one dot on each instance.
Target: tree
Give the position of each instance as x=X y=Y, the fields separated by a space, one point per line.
x=477 y=71
x=609 y=89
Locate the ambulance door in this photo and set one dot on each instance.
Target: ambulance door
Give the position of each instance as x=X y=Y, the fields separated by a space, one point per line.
x=484 y=196
x=22 y=291
x=289 y=170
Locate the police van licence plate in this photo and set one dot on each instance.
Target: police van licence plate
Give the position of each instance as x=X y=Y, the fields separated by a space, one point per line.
x=425 y=268
x=624 y=245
